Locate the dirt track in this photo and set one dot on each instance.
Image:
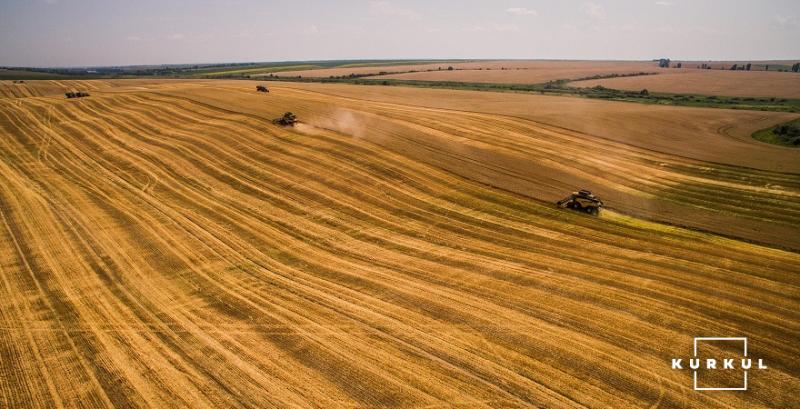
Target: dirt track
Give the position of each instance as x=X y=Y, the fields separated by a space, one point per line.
x=165 y=245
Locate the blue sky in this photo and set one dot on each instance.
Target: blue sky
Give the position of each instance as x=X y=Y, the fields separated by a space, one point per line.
x=111 y=32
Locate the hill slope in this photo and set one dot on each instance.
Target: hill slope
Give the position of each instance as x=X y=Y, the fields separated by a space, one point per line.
x=167 y=245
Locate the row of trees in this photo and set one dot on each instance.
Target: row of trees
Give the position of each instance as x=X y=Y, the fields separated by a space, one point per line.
x=788 y=133
x=742 y=67
x=665 y=63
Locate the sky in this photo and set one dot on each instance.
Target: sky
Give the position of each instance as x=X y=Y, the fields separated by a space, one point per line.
x=47 y=33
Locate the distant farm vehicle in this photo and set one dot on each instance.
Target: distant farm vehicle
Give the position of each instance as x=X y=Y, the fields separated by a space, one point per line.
x=19 y=81
x=288 y=119
x=261 y=88
x=582 y=200
x=76 y=94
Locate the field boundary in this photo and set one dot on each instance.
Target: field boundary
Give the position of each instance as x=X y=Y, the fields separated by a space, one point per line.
x=561 y=88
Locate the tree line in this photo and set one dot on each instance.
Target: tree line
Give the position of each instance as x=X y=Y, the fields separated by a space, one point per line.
x=666 y=63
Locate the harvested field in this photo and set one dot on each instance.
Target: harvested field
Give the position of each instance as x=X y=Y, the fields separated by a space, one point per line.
x=709 y=82
x=535 y=72
x=703 y=134
x=163 y=244
x=763 y=65
x=514 y=71
x=57 y=88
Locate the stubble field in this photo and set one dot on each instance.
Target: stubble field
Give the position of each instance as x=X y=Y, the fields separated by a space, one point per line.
x=508 y=71
x=709 y=82
x=687 y=80
x=163 y=244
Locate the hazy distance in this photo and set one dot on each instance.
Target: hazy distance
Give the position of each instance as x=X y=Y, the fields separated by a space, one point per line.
x=94 y=32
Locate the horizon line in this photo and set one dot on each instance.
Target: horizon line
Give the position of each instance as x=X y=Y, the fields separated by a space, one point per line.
x=3 y=66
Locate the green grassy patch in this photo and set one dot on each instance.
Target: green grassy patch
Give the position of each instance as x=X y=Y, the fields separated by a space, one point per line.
x=400 y=62
x=781 y=134
x=560 y=88
x=242 y=70
x=260 y=70
x=28 y=75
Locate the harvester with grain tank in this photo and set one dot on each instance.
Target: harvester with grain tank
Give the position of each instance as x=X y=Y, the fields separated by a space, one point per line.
x=582 y=200
x=262 y=88
x=288 y=119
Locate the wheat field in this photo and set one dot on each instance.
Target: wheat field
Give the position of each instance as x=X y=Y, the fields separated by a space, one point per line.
x=163 y=244
x=504 y=71
x=709 y=82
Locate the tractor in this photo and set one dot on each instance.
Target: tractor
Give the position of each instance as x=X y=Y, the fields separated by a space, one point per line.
x=262 y=88
x=582 y=200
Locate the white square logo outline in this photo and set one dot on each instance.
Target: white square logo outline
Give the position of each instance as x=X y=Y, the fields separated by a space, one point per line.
x=694 y=372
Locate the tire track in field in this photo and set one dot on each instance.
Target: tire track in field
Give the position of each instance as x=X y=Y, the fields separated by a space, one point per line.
x=340 y=268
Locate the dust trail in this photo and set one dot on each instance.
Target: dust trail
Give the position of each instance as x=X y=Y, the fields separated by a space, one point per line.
x=340 y=120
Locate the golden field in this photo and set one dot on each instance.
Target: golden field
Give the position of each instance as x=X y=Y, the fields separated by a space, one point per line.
x=687 y=80
x=506 y=71
x=162 y=243
x=709 y=82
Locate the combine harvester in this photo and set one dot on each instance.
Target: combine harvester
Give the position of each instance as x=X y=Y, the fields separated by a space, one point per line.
x=582 y=200
x=288 y=119
x=76 y=94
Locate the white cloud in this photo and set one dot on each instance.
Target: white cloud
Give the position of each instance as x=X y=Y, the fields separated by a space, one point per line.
x=246 y=33
x=665 y=3
x=594 y=10
x=665 y=29
x=386 y=8
x=133 y=38
x=312 y=29
x=787 y=21
x=624 y=27
x=522 y=11
x=176 y=36
x=494 y=27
